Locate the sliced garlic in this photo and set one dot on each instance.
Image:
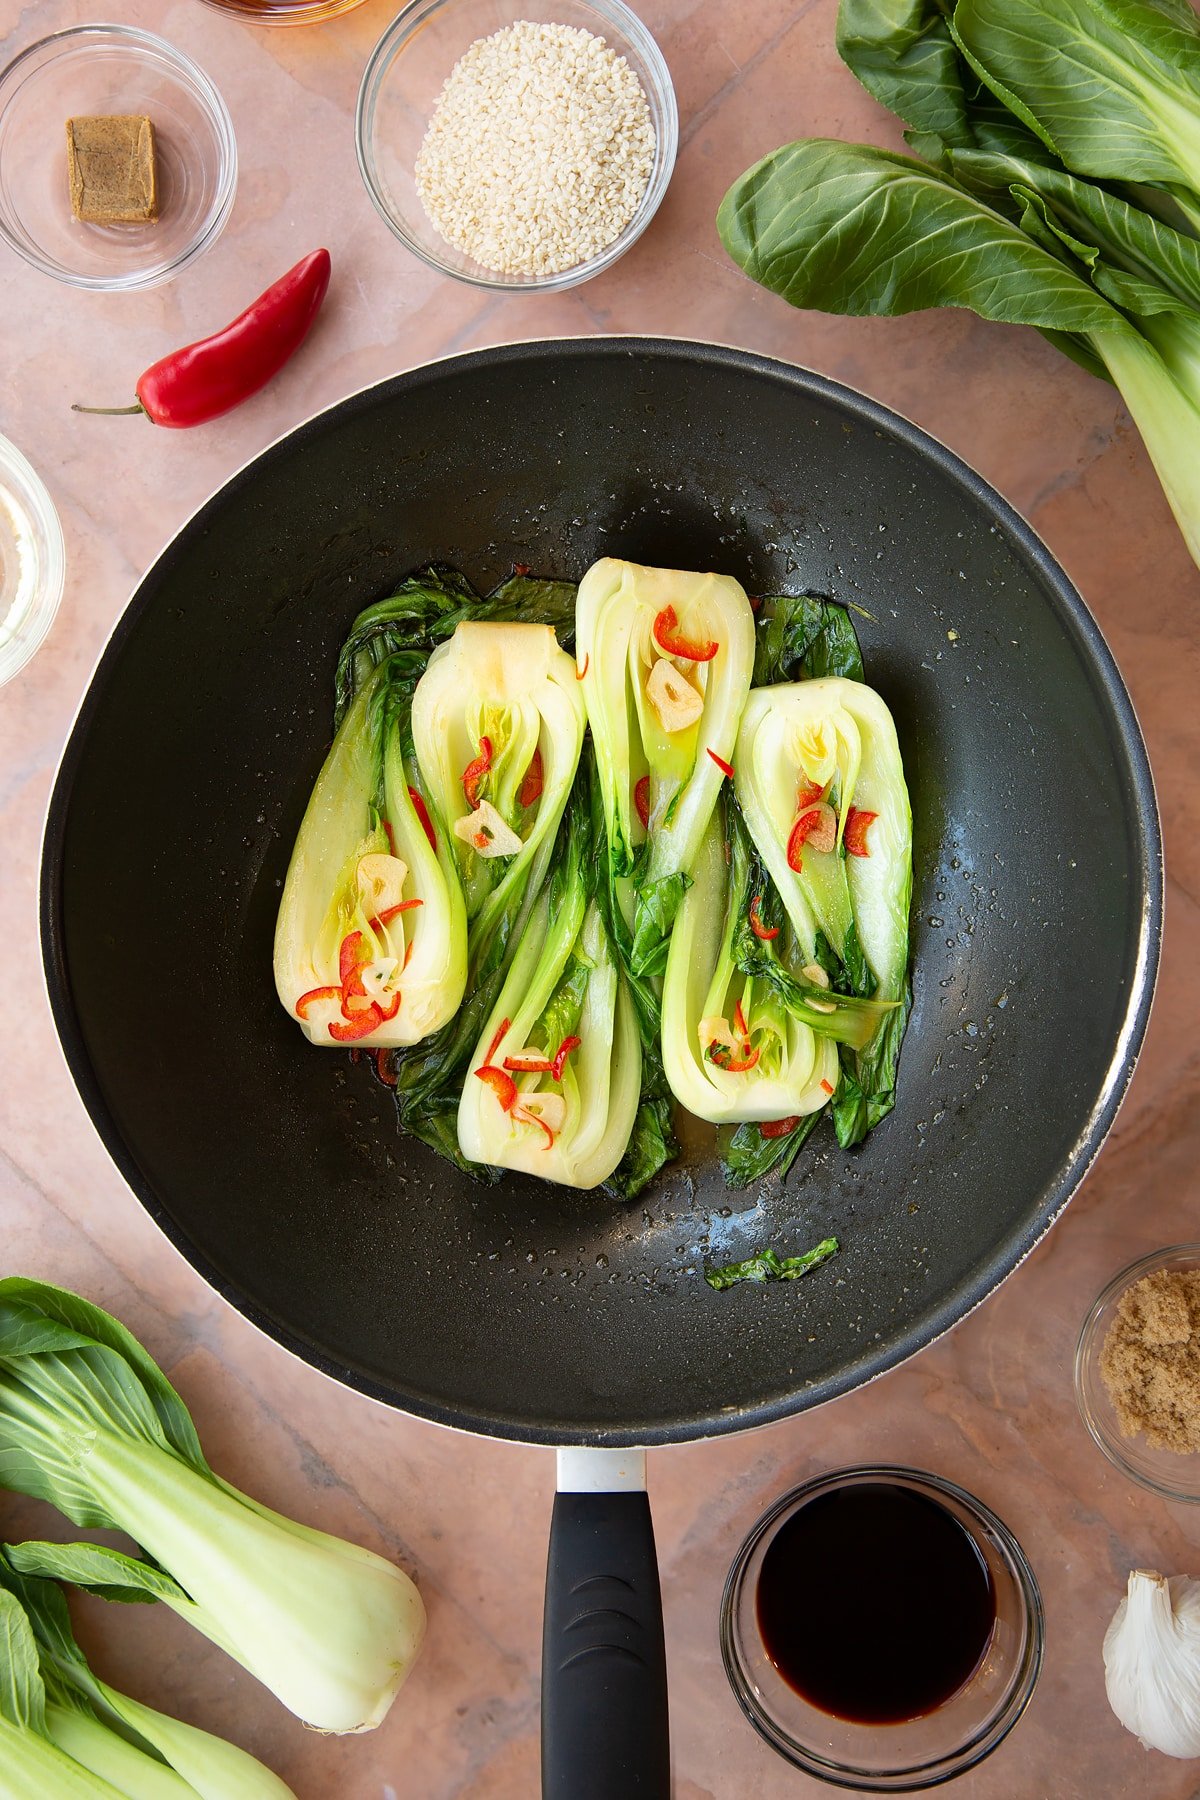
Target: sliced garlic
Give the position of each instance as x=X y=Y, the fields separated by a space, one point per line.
x=822 y=835
x=547 y=1109
x=673 y=698
x=715 y=1031
x=815 y=973
x=381 y=881
x=487 y=833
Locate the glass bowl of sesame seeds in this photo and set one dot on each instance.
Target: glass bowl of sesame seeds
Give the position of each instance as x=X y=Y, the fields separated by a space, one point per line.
x=517 y=150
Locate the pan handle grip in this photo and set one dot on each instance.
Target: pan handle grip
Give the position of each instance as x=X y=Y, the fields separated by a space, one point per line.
x=604 y=1673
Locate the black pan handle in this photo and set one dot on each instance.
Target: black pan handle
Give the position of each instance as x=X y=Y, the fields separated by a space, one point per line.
x=604 y=1672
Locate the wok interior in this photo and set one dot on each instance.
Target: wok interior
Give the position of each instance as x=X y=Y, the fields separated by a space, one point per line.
x=523 y=1309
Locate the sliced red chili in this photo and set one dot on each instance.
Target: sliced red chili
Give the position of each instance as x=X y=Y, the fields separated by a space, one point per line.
x=827 y=1085
x=422 y=812
x=524 y=1064
x=641 y=799
x=810 y=792
x=739 y=1021
x=667 y=637
x=799 y=833
x=521 y=569
x=501 y=1029
x=528 y=1118
x=773 y=1128
x=580 y=673
x=389 y=1012
x=723 y=1057
x=531 y=787
x=765 y=932
x=560 y=1056
x=350 y=960
x=383 y=1069
x=475 y=771
x=317 y=993
x=501 y=1084
x=755 y=602
x=816 y=822
x=855 y=829
x=391 y=836
x=725 y=768
x=359 y=1027
x=391 y=912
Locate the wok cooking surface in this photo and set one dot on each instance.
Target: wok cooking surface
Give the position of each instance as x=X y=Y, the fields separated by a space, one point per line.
x=521 y=1309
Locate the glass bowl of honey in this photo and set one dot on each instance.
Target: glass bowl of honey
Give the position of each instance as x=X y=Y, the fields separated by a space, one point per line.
x=882 y=1629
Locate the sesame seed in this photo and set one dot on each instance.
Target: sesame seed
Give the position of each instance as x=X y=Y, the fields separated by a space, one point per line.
x=539 y=150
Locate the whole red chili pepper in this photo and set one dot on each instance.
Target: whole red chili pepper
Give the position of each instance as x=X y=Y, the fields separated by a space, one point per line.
x=208 y=378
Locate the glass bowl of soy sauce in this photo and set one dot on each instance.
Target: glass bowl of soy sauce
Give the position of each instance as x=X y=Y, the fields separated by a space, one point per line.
x=882 y=1629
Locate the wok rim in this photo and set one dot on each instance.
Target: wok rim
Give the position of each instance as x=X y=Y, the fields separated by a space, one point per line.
x=1055 y=1195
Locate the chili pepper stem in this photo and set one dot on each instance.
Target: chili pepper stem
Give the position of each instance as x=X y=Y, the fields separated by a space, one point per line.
x=112 y=412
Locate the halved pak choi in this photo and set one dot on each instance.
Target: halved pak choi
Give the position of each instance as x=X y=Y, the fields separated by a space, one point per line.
x=555 y=1085
x=370 y=941
x=665 y=659
x=821 y=787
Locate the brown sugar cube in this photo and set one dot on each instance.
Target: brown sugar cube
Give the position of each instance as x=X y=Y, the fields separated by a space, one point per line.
x=114 y=177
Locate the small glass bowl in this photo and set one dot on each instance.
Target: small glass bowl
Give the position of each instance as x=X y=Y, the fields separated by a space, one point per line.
x=1165 y=1472
x=32 y=561
x=112 y=69
x=919 y=1753
x=284 y=12
x=400 y=88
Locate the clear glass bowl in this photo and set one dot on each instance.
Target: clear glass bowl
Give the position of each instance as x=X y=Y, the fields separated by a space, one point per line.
x=919 y=1753
x=1164 y=1472
x=32 y=561
x=406 y=74
x=112 y=69
x=284 y=12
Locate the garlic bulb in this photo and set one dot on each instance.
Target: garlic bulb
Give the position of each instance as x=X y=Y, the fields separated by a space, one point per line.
x=1152 y=1662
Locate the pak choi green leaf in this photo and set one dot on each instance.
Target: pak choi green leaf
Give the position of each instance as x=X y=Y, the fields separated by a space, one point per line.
x=142 y=1753
x=1110 y=86
x=768 y=1265
x=89 y=1423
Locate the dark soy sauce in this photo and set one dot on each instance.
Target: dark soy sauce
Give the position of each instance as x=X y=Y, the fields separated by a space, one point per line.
x=874 y=1603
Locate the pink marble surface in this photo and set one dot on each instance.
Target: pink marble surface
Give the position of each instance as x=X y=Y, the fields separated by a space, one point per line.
x=991 y=1406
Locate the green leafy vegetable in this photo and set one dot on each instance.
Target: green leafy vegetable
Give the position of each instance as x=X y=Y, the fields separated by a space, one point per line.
x=1110 y=86
x=365 y=878
x=564 y=1002
x=32 y=1767
x=732 y=1048
x=802 y=635
x=661 y=719
x=89 y=1422
x=846 y=228
x=768 y=1265
x=143 y=1754
x=513 y=685
x=430 y=605
x=747 y=1156
x=829 y=744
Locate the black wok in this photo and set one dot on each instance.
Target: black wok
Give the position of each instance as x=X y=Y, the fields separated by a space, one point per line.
x=522 y=1310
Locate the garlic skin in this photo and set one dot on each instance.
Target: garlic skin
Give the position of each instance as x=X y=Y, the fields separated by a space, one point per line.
x=1152 y=1662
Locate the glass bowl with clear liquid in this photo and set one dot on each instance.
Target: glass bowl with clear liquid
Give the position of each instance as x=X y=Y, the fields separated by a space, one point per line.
x=32 y=561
